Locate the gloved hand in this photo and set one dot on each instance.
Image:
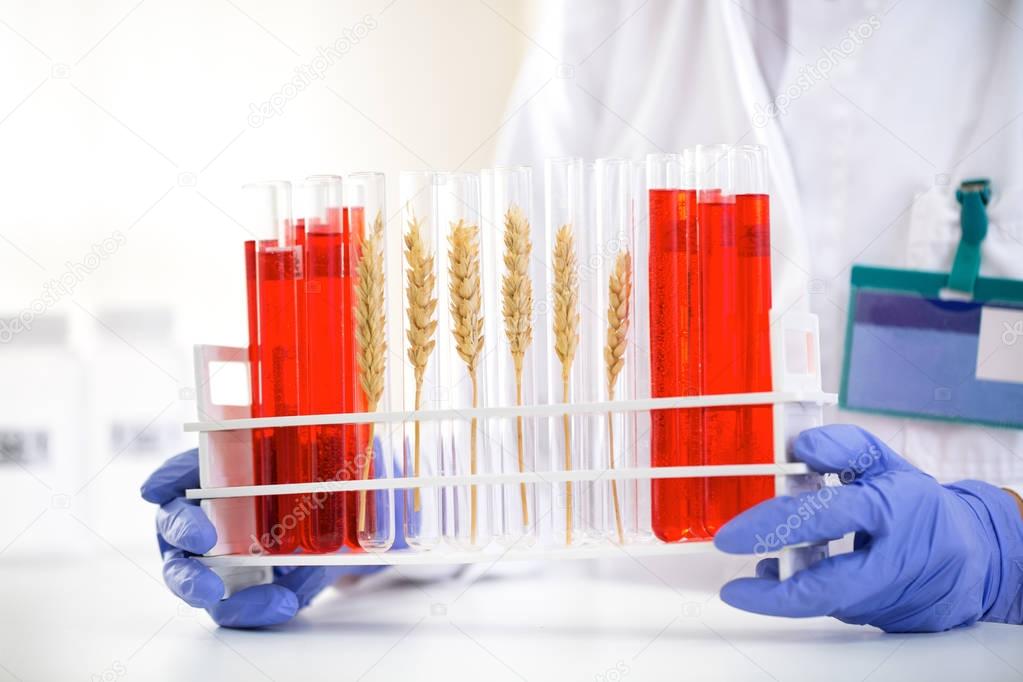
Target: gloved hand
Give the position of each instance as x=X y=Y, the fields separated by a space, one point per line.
x=926 y=557
x=182 y=529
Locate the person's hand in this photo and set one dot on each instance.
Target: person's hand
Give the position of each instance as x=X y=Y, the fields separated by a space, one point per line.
x=926 y=557
x=182 y=530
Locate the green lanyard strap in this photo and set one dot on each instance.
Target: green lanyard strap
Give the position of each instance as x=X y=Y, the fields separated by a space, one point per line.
x=973 y=196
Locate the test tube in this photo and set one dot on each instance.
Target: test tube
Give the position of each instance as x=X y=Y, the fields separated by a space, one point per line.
x=509 y=249
x=329 y=348
x=281 y=455
x=636 y=378
x=721 y=344
x=369 y=448
x=564 y=192
x=753 y=235
x=421 y=377
x=462 y=356
x=611 y=305
x=674 y=303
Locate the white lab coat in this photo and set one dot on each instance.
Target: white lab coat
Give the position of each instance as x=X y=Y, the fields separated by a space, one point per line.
x=864 y=162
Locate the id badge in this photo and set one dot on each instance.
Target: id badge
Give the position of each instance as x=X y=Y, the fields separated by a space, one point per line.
x=910 y=351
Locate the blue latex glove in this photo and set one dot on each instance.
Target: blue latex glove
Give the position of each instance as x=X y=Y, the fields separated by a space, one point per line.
x=926 y=557
x=182 y=530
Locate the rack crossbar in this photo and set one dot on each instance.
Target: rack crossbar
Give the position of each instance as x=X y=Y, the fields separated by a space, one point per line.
x=535 y=477
x=550 y=410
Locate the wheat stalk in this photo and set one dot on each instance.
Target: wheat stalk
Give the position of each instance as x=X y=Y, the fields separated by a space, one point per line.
x=467 y=326
x=370 y=334
x=517 y=306
x=421 y=283
x=566 y=337
x=619 y=289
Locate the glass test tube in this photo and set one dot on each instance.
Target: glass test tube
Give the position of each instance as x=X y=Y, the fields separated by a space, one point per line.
x=593 y=251
x=721 y=344
x=329 y=347
x=466 y=447
x=509 y=248
x=612 y=306
x=753 y=235
x=275 y=273
x=565 y=217
x=423 y=389
x=673 y=288
x=369 y=448
x=636 y=494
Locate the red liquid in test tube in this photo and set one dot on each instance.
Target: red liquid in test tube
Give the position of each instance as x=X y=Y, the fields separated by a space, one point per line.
x=280 y=293
x=753 y=228
x=677 y=505
x=326 y=282
x=735 y=244
x=262 y=439
x=722 y=353
x=281 y=455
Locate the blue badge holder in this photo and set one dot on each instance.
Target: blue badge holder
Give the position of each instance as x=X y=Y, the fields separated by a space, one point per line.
x=936 y=345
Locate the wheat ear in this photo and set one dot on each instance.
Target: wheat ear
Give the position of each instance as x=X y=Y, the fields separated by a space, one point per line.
x=517 y=306
x=421 y=283
x=619 y=289
x=467 y=327
x=566 y=337
x=370 y=335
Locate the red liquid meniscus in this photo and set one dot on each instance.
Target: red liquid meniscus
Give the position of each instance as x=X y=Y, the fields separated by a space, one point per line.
x=677 y=505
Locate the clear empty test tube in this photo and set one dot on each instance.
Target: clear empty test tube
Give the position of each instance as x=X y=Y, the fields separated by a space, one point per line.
x=423 y=388
x=636 y=500
x=753 y=239
x=611 y=269
x=721 y=344
x=328 y=286
x=673 y=306
x=371 y=448
x=276 y=342
x=461 y=354
x=509 y=249
x=564 y=193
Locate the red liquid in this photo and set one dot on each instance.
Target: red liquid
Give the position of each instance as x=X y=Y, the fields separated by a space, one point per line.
x=327 y=283
x=753 y=229
x=677 y=505
x=262 y=453
x=722 y=360
x=281 y=455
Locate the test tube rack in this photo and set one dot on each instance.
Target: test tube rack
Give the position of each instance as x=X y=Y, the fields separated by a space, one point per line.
x=225 y=451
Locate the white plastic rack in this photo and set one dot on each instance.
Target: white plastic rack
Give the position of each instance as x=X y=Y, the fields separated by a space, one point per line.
x=226 y=456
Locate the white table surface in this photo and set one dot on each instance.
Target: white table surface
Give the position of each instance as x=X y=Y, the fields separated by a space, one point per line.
x=107 y=616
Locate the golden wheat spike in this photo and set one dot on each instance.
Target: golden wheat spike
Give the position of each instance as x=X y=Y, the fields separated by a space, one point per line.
x=619 y=291
x=467 y=328
x=370 y=335
x=517 y=307
x=466 y=294
x=420 y=286
x=566 y=338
